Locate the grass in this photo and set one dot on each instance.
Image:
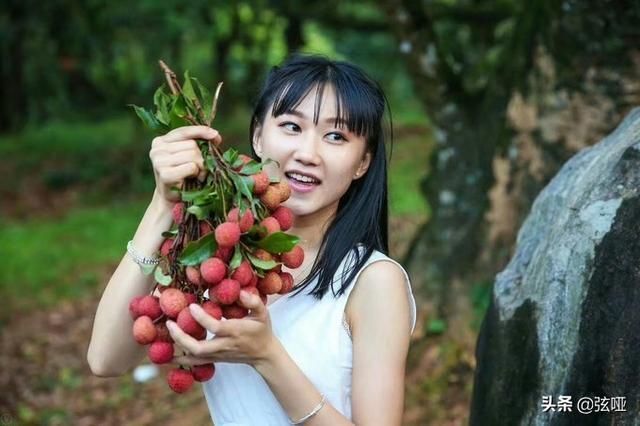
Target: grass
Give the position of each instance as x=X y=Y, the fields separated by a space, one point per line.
x=408 y=166
x=49 y=260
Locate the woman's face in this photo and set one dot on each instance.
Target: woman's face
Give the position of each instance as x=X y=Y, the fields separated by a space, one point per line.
x=333 y=156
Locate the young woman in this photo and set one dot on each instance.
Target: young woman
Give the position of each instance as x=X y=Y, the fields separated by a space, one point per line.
x=333 y=351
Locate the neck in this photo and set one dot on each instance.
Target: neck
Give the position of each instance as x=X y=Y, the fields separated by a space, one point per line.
x=312 y=227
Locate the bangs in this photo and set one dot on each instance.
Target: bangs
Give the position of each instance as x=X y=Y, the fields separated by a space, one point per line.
x=356 y=107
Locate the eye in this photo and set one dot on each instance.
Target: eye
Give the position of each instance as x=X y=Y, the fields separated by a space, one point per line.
x=336 y=137
x=290 y=126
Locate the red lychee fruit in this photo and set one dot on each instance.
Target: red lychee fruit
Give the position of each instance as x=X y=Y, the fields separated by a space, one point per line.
x=205 y=228
x=254 y=290
x=180 y=380
x=287 y=282
x=234 y=311
x=245 y=159
x=188 y=324
x=271 y=198
x=232 y=216
x=193 y=275
x=260 y=182
x=160 y=352
x=203 y=372
x=134 y=308
x=294 y=258
x=212 y=309
x=144 y=332
x=149 y=306
x=166 y=246
x=178 y=212
x=283 y=189
x=284 y=216
x=227 y=234
x=224 y=253
x=262 y=254
x=163 y=334
x=213 y=270
x=172 y=301
x=243 y=273
x=227 y=291
x=245 y=222
x=270 y=284
x=272 y=225
x=254 y=281
x=191 y=298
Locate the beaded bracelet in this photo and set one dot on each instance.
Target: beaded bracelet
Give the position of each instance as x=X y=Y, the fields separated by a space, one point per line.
x=312 y=413
x=138 y=258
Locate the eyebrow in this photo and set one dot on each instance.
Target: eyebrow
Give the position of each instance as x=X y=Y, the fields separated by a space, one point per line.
x=304 y=117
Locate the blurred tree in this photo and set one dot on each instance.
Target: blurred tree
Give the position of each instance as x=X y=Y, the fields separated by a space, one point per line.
x=469 y=60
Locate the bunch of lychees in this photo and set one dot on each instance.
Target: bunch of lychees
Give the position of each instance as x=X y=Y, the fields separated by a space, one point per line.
x=227 y=235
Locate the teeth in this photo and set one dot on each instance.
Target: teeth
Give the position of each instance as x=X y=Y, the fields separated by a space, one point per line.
x=302 y=178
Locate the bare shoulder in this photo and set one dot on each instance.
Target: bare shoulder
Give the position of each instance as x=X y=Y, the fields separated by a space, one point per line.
x=379 y=292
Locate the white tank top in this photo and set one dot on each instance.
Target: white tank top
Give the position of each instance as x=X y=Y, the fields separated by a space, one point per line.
x=315 y=334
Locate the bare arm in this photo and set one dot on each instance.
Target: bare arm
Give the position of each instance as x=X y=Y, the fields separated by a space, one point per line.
x=381 y=334
x=112 y=350
x=175 y=156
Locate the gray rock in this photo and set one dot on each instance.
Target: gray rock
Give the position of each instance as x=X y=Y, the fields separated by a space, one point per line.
x=564 y=319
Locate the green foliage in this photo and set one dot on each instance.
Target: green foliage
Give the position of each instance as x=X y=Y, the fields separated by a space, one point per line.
x=278 y=242
x=46 y=260
x=199 y=250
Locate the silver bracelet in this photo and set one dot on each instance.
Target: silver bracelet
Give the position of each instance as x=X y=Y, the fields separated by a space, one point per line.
x=312 y=413
x=138 y=258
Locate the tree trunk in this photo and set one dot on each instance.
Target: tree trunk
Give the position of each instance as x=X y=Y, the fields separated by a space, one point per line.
x=13 y=102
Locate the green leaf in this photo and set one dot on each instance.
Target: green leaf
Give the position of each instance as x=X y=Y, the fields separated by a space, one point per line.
x=236 y=259
x=147 y=269
x=278 y=242
x=251 y=168
x=162 y=101
x=262 y=264
x=149 y=119
x=241 y=185
x=161 y=277
x=187 y=88
x=192 y=196
x=177 y=114
x=230 y=156
x=205 y=98
x=200 y=212
x=198 y=251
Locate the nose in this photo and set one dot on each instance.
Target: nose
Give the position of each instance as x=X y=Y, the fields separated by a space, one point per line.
x=306 y=151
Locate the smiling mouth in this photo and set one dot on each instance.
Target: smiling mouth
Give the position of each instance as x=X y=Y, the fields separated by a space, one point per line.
x=302 y=180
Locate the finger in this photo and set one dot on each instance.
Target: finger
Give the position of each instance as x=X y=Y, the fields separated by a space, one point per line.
x=198 y=348
x=191 y=132
x=192 y=360
x=181 y=157
x=204 y=319
x=178 y=173
x=253 y=302
x=178 y=146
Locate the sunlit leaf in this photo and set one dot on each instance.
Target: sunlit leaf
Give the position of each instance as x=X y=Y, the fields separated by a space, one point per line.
x=198 y=251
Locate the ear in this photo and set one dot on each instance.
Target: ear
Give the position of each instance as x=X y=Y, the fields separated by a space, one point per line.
x=257 y=140
x=364 y=165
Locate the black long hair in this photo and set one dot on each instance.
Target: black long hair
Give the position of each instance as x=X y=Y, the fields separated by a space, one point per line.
x=362 y=214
